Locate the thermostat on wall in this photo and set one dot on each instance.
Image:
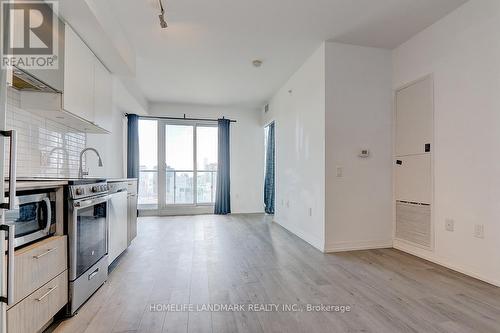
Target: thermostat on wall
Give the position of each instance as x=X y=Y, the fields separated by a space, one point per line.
x=364 y=153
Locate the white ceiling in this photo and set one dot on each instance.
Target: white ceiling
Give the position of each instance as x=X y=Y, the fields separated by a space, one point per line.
x=204 y=56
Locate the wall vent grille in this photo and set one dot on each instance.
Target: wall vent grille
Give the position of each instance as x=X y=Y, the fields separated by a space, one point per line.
x=413 y=223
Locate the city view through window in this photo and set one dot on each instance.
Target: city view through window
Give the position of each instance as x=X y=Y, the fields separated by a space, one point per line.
x=190 y=164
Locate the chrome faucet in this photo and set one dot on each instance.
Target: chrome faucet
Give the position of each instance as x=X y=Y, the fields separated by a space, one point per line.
x=81 y=173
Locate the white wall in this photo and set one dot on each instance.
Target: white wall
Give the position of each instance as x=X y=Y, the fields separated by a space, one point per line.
x=247 y=150
x=358 y=116
x=112 y=147
x=462 y=51
x=300 y=150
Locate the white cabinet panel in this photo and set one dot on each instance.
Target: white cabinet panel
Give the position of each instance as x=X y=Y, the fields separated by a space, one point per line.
x=414 y=117
x=118 y=220
x=103 y=96
x=413 y=178
x=78 y=95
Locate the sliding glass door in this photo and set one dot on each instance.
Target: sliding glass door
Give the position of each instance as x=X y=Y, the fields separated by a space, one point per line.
x=148 y=164
x=188 y=153
x=179 y=152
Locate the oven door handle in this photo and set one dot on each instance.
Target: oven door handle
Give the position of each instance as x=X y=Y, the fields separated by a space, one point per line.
x=49 y=215
x=90 y=202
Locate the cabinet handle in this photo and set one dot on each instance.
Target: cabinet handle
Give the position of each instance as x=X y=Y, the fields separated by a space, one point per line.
x=47 y=293
x=12 y=169
x=9 y=298
x=45 y=253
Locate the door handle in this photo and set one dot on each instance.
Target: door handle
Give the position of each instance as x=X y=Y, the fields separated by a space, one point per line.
x=94 y=273
x=49 y=215
x=11 y=230
x=12 y=169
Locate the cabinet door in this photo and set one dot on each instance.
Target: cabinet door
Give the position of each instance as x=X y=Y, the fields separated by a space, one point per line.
x=132 y=217
x=414 y=117
x=413 y=178
x=103 y=96
x=78 y=97
x=117 y=225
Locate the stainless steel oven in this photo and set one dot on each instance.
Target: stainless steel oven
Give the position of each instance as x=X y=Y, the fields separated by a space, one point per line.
x=33 y=216
x=88 y=241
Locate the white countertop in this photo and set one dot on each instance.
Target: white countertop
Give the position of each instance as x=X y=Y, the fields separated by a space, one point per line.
x=116 y=180
x=37 y=184
x=41 y=183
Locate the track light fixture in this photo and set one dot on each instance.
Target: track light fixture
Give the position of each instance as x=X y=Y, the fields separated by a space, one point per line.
x=161 y=16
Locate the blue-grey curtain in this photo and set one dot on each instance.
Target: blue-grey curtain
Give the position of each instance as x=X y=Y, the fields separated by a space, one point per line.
x=223 y=196
x=133 y=146
x=269 y=177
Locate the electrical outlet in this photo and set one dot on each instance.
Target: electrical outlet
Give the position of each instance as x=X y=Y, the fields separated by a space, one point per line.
x=479 y=230
x=449 y=225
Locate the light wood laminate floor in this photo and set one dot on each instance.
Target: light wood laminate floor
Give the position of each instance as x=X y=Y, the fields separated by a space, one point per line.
x=246 y=259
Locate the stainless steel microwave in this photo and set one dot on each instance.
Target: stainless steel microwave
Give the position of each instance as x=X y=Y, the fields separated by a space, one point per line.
x=33 y=217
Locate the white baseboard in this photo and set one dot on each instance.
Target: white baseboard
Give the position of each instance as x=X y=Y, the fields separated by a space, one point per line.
x=358 y=245
x=441 y=262
x=317 y=243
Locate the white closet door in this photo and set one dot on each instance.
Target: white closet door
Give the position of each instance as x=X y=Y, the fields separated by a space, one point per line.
x=413 y=178
x=414 y=117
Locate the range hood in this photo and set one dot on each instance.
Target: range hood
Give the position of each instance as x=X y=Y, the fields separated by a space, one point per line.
x=23 y=80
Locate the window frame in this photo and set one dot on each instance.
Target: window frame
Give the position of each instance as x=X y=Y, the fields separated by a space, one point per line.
x=163 y=206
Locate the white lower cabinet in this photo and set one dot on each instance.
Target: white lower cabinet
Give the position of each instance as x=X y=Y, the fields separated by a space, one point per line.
x=35 y=311
x=117 y=231
x=41 y=285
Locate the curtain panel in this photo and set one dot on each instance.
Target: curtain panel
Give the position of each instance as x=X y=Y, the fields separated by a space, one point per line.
x=223 y=195
x=133 y=146
x=269 y=188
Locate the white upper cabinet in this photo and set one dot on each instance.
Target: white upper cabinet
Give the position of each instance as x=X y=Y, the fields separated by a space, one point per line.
x=103 y=96
x=414 y=117
x=88 y=86
x=78 y=97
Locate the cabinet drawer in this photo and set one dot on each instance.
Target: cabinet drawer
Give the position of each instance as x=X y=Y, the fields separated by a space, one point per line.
x=37 y=264
x=36 y=310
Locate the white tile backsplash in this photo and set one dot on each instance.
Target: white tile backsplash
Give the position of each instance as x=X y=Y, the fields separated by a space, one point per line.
x=45 y=148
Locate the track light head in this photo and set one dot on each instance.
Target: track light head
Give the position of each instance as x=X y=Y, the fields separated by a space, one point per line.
x=161 y=16
x=163 y=23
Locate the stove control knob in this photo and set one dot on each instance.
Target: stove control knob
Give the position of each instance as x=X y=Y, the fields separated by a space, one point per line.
x=79 y=191
x=95 y=189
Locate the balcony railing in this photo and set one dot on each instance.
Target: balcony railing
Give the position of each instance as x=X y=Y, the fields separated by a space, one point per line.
x=182 y=187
